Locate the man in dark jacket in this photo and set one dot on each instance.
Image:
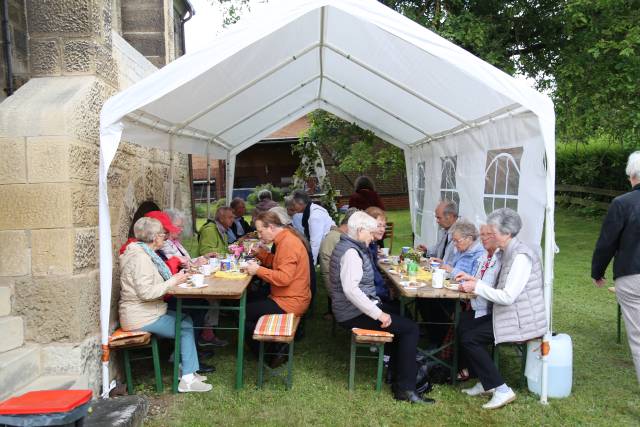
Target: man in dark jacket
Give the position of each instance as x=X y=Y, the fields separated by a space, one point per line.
x=620 y=239
x=240 y=226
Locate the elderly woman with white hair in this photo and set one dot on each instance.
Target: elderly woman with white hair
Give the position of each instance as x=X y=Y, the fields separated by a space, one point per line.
x=356 y=305
x=518 y=307
x=145 y=279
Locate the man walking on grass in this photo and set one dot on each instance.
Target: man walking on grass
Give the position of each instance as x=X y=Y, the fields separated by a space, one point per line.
x=620 y=239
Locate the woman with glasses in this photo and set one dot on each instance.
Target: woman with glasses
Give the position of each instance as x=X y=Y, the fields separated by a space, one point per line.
x=145 y=279
x=468 y=248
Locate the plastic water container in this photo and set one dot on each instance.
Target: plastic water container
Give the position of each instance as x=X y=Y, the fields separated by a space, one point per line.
x=560 y=366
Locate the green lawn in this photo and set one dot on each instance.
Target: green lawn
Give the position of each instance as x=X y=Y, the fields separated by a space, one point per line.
x=605 y=389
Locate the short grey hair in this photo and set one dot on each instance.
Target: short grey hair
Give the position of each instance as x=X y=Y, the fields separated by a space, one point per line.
x=221 y=211
x=633 y=165
x=347 y=215
x=175 y=215
x=361 y=221
x=465 y=229
x=449 y=207
x=146 y=229
x=301 y=197
x=288 y=202
x=285 y=219
x=505 y=221
x=264 y=194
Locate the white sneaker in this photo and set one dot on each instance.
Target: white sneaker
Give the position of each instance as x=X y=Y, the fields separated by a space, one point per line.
x=199 y=377
x=196 y=386
x=477 y=390
x=500 y=399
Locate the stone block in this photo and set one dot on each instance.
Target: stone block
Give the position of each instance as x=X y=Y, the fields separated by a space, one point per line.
x=70 y=358
x=48 y=159
x=45 y=57
x=52 y=252
x=5 y=300
x=149 y=44
x=79 y=56
x=11 y=333
x=15 y=258
x=18 y=368
x=125 y=411
x=13 y=165
x=85 y=205
x=34 y=206
x=143 y=20
x=85 y=249
x=58 y=308
x=84 y=162
x=72 y=17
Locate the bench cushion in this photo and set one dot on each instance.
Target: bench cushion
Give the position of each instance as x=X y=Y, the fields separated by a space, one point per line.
x=276 y=328
x=123 y=339
x=369 y=336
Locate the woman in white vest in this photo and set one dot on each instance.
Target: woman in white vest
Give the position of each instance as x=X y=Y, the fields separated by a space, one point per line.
x=518 y=307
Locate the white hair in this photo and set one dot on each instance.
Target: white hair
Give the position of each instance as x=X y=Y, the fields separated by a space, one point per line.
x=361 y=221
x=506 y=221
x=285 y=219
x=146 y=229
x=633 y=165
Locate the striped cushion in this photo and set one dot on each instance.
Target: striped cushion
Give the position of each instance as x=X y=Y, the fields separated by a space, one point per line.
x=275 y=325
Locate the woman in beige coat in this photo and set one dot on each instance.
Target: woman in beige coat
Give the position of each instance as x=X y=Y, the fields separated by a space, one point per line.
x=145 y=279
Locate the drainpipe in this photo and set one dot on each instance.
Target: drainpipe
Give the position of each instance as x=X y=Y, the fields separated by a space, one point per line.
x=183 y=21
x=6 y=35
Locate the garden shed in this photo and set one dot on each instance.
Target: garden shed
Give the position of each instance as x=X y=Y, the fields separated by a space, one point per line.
x=469 y=131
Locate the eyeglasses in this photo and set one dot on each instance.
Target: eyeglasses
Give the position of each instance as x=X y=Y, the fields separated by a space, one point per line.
x=162 y=234
x=458 y=241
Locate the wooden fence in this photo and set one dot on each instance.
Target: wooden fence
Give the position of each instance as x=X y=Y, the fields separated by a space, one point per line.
x=584 y=196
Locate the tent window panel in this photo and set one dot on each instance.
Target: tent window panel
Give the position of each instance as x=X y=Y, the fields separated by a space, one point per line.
x=502 y=179
x=420 y=186
x=450 y=195
x=448 y=190
x=419 y=223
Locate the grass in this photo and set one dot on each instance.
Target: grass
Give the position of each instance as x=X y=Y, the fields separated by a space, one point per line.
x=605 y=390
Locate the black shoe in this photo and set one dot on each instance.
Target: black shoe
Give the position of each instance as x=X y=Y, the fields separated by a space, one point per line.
x=206 y=369
x=215 y=342
x=412 y=397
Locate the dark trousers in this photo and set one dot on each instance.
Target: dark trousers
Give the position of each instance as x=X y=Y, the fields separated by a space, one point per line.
x=403 y=348
x=475 y=336
x=436 y=311
x=255 y=310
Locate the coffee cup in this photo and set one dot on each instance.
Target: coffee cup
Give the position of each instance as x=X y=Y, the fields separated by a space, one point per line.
x=197 y=279
x=437 y=280
x=206 y=269
x=406 y=249
x=385 y=252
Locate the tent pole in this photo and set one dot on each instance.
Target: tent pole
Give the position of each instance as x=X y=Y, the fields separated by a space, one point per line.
x=171 y=172
x=208 y=183
x=408 y=164
x=231 y=171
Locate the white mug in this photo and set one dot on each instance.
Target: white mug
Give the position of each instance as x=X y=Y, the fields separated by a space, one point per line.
x=206 y=269
x=197 y=279
x=385 y=252
x=437 y=280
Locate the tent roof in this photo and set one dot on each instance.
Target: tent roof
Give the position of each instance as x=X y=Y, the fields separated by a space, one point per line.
x=355 y=58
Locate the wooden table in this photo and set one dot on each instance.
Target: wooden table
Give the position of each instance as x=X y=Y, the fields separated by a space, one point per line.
x=217 y=289
x=431 y=293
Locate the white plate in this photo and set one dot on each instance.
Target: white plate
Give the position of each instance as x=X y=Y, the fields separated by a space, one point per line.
x=190 y=285
x=412 y=284
x=452 y=287
x=392 y=271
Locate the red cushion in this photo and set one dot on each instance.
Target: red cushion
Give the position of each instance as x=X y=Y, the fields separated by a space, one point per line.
x=45 y=402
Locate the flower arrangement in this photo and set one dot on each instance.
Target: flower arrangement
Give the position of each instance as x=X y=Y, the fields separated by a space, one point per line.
x=414 y=255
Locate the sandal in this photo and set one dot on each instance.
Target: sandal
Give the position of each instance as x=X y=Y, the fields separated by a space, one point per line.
x=463 y=375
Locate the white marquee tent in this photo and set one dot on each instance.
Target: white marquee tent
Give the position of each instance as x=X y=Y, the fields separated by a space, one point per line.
x=468 y=130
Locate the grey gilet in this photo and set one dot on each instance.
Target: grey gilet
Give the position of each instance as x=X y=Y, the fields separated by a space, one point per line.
x=343 y=309
x=525 y=318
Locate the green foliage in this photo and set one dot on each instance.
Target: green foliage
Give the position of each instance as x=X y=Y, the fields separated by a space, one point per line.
x=276 y=193
x=599 y=164
x=352 y=148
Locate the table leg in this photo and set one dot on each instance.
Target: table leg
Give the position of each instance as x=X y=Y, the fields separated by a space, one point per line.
x=454 y=365
x=176 y=346
x=240 y=356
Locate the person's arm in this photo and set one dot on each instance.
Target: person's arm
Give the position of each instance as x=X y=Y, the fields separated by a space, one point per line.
x=316 y=228
x=516 y=281
x=210 y=240
x=265 y=257
x=144 y=281
x=608 y=241
x=466 y=264
x=350 y=277
x=285 y=270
